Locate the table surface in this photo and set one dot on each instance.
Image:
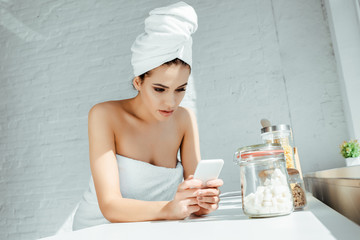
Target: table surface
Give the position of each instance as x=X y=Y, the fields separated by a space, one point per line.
x=316 y=221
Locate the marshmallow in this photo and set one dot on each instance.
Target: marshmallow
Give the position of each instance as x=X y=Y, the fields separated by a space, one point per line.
x=272 y=198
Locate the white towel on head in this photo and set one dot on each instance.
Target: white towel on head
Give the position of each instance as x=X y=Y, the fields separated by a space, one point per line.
x=167 y=36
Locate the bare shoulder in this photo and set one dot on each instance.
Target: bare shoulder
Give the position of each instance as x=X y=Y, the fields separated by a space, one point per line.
x=186 y=116
x=109 y=105
x=106 y=111
x=185 y=112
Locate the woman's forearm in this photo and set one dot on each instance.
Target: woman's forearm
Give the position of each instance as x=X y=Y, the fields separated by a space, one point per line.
x=132 y=210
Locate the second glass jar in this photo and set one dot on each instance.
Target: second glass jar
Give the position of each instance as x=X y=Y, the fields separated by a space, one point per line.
x=280 y=134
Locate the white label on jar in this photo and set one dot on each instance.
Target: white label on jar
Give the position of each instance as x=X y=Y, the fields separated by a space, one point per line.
x=272 y=198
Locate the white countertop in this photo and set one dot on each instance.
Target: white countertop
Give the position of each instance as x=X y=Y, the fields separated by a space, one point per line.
x=317 y=221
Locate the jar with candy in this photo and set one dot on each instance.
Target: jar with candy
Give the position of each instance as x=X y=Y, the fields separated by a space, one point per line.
x=280 y=134
x=265 y=188
x=297 y=188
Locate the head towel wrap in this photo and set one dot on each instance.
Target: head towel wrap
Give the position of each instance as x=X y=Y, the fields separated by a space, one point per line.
x=167 y=36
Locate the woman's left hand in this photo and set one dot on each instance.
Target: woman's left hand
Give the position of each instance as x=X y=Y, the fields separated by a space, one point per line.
x=208 y=197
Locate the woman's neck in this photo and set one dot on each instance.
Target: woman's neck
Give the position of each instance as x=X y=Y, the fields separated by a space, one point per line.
x=140 y=111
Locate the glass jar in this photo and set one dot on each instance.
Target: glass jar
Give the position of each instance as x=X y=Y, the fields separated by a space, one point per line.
x=297 y=189
x=265 y=188
x=280 y=134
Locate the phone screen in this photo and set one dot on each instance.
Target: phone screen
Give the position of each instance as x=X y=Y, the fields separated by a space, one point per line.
x=208 y=169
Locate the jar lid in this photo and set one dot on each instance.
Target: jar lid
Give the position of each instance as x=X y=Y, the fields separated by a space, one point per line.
x=258 y=151
x=276 y=128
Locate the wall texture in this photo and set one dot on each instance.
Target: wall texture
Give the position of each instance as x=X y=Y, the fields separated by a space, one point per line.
x=252 y=59
x=344 y=24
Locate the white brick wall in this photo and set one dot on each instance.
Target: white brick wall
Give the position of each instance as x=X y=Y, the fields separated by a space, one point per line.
x=252 y=59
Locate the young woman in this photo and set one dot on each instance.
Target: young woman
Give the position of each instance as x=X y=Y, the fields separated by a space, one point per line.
x=134 y=143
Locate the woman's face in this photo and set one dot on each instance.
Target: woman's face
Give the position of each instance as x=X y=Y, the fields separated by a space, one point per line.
x=163 y=90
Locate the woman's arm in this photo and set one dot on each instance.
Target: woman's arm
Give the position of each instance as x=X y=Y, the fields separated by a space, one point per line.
x=208 y=197
x=190 y=146
x=105 y=173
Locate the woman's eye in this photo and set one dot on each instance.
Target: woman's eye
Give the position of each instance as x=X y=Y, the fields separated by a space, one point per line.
x=159 y=89
x=181 y=89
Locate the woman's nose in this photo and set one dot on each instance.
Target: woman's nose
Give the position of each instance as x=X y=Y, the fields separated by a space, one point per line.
x=170 y=101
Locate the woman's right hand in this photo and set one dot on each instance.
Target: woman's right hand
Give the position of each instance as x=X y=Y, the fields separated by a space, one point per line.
x=185 y=202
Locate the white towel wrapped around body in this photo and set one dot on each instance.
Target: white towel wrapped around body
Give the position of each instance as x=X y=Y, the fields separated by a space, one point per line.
x=138 y=180
x=167 y=36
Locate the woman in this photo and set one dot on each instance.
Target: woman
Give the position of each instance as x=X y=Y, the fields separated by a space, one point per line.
x=134 y=143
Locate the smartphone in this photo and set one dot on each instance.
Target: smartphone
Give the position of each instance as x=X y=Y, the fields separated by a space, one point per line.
x=208 y=170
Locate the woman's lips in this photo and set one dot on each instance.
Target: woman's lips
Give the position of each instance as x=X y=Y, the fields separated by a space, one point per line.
x=166 y=113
